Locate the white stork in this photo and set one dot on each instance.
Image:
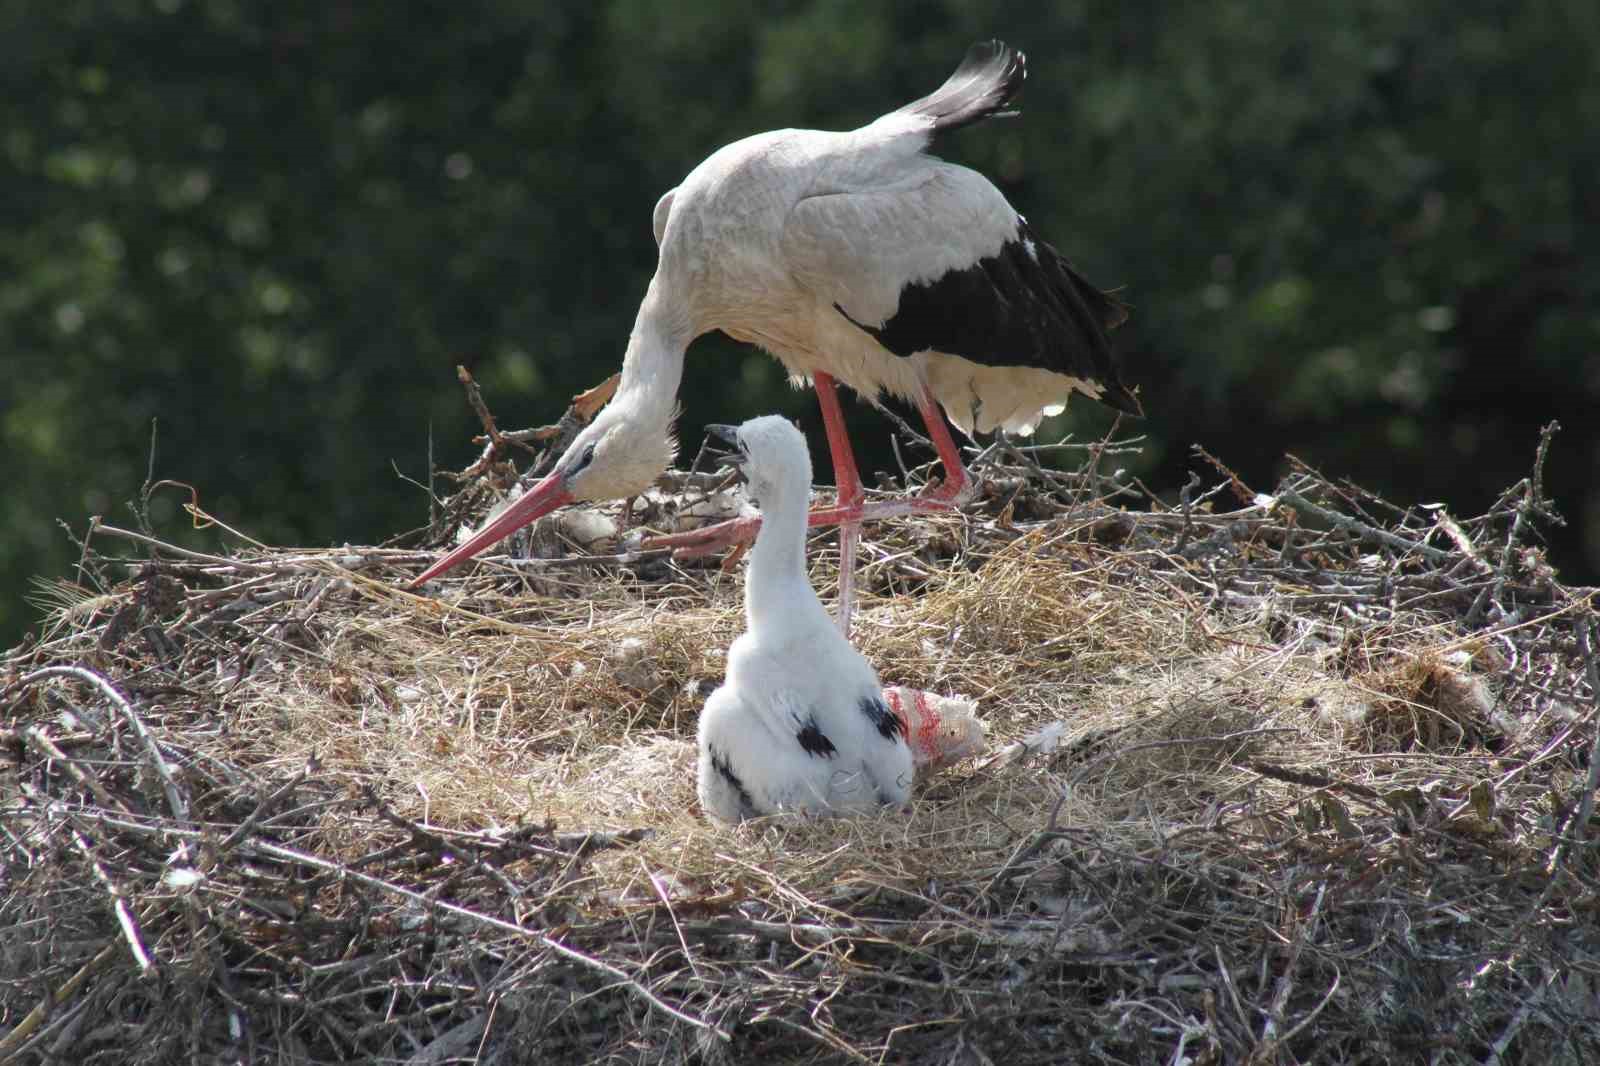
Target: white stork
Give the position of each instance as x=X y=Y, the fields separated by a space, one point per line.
x=858 y=257
x=799 y=723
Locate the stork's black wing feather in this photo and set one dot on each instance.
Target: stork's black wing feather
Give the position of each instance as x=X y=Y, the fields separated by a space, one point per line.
x=1023 y=306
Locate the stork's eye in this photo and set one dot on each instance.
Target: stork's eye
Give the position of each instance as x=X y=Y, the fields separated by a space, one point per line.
x=583 y=460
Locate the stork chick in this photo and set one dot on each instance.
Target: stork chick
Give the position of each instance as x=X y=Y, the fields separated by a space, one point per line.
x=799 y=724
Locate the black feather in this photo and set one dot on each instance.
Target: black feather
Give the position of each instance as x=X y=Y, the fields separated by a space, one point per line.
x=1015 y=308
x=883 y=719
x=989 y=76
x=724 y=769
x=814 y=741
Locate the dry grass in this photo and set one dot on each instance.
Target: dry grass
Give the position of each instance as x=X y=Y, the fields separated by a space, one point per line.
x=1316 y=797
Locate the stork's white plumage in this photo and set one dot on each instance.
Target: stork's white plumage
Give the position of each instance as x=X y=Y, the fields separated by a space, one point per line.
x=858 y=257
x=799 y=723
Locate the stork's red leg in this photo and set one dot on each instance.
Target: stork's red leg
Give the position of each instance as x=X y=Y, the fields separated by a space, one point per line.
x=845 y=475
x=847 y=480
x=957 y=485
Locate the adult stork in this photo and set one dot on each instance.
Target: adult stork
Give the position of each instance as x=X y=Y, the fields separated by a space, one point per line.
x=854 y=257
x=799 y=723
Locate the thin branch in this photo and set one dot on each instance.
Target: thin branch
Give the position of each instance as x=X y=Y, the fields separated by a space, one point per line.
x=1175 y=742
x=1311 y=1016
x=12 y=1042
x=1241 y=491
x=1366 y=533
x=491 y=922
x=1514 y=1026
x=141 y=512
x=1591 y=668
x=627 y=558
x=1272 y=1034
x=1186 y=502
x=180 y=807
x=186 y=553
x=266 y=806
x=119 y=905
x=36 y=736
x=479 y=408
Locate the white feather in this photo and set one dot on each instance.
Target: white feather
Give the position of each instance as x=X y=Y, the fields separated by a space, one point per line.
x=792 y=671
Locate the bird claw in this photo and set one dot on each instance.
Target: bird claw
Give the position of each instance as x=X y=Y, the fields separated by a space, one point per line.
x=696 y=543
x=951 y=493
x=741 y=532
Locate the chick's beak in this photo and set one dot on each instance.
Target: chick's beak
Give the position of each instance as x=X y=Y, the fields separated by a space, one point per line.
x=726 y=434
x=733 y=457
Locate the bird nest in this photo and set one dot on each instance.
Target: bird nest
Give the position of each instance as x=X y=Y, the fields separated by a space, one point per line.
x=1271 y=778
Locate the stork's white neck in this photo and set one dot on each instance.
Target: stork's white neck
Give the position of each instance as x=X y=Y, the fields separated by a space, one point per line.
x=652 y=368
x=777 y=591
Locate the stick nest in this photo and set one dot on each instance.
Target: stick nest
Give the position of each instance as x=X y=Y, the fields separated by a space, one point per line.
x=1272 y=778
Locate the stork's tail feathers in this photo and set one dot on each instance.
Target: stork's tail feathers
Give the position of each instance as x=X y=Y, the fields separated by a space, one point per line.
x=986 y=81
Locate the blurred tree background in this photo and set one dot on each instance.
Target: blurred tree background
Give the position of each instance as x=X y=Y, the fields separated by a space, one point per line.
x=1357 y=231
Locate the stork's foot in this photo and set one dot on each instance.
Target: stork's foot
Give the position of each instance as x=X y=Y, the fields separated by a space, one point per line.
x=949 y=495
x=957 y=489
x=696 y=543
x=707 y=540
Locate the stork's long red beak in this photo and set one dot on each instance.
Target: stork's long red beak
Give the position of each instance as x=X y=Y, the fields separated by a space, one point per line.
x=537 y=502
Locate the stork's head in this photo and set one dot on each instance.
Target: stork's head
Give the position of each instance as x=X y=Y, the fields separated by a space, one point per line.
x=620 y=453
x=772 y=455
x=617 y=455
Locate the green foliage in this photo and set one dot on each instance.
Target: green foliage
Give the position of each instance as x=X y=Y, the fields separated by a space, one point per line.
x=1352 y=230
